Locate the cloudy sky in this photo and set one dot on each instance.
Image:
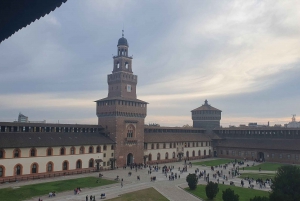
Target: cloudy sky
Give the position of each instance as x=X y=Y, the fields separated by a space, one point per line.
x=242 y=56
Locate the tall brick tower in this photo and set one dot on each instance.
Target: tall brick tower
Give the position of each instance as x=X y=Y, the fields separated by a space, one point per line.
x=121 y=113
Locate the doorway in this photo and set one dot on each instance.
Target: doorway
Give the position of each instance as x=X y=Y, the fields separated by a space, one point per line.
x=129 y=159
x=261 y=156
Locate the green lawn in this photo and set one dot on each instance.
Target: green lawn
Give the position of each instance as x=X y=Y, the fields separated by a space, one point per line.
x=262 y=176
x=213 y=162
x=29 y=191
x=244 y=193
x=266 y=166
x=149 y=194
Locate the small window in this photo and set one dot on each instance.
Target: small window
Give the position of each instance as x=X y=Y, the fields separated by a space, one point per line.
x=49 y=152
x=104 y=155
x=81 y=150
x=112 y=147
x=98 y=149
x=17 y=153
x=32 y=152
x=62 y=151
x=157 y=146
x=104 y=147
x=91 y=149
x=72 y=150
x=112 y=154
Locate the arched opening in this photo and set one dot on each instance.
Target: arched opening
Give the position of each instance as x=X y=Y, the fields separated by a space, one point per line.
x=78 y=164
x=130 y=131
x=167 y=155
x=158 y=157
x=193 y=153
x=204 y=152
x=32 y=152
x=187 y=154
x=150 y=157
x=199 y=153
x=260 y=156
x=49 y=151
x=34 y=168
x=173 y=155
x=62 y=151
x=91 y=149
x=18 y=169
x=65 y=165
x=118 y=65
x=49 y=167
x=129 y=159
x=17 y=153
x=81 y=150
x=126 y=65
x=91 y=163
x=2 y=171
x=98 y=149
x=72 y=150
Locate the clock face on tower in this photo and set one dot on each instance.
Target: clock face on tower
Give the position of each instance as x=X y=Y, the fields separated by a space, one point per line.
x=128 y=88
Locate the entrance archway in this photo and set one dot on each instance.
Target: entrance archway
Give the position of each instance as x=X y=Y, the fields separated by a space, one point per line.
x=129 y=159
x=260 y=156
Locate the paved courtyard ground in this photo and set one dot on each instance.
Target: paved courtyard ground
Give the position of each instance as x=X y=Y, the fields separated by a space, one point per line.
x=172 y=190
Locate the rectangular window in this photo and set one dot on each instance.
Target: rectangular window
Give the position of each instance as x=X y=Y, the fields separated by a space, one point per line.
x=104 y=163
x=104 y=155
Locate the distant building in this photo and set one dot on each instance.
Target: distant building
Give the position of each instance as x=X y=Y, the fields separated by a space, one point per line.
x=22 y=118
x=293 y=123
x=206 y=117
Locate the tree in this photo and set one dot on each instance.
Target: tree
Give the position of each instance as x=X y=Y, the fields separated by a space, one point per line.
x=258 y=198
x=211 y=190
x=286 y=184
x=192 y=181
x=228 y=195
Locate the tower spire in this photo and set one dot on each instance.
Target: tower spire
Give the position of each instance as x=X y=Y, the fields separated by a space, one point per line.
x=123 y=33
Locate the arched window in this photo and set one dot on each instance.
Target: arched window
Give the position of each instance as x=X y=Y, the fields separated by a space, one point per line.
x=49 y=167
x=65 y=165
x=104 y=148
x=193 y=153
x=91 y=163
x=157 y=146
x=164 y=145
x=167 y=155
x=199 y=153
x=62 y=151
x=1 y=153
x=91 y=149
x=158 y=156
x=72 y=150
x=2 y=171
x=173 y=155
x=187 y=154
x=78 y=164
x=150 y=157
x=34 y=168
x=17 y=153
x=32 y=152
x=98 y=149
x=112 y=147
x=81 y=150
x=18 y=169
x=130 y=131
x=49 y=151
x=126 y=65
x=118 y=65
x=204 y=152
x=152 y=146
